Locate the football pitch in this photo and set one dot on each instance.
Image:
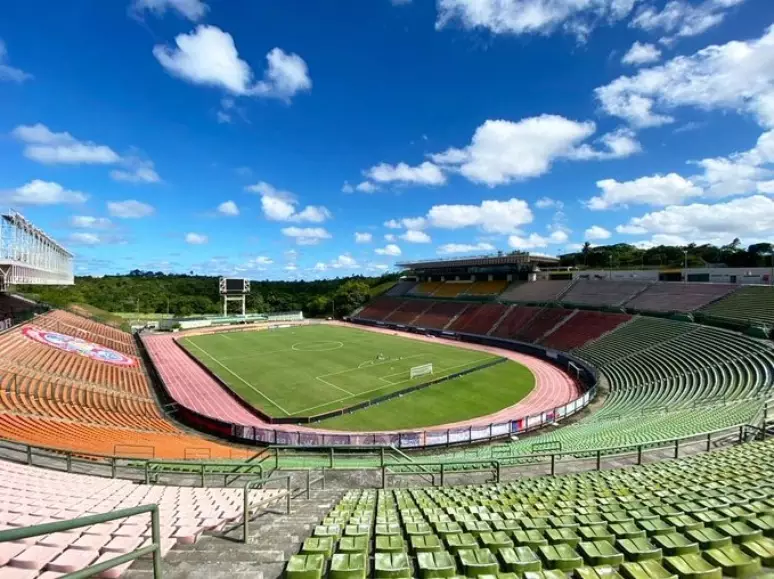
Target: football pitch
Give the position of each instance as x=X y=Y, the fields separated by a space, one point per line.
x=310 y=370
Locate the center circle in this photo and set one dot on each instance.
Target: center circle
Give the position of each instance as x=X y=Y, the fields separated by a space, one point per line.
x=324 y=346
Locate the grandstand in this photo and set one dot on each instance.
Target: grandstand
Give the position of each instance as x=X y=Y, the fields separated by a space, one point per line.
x=678 y=297
x=602 y=292
x=540 y=291
x=753 y=304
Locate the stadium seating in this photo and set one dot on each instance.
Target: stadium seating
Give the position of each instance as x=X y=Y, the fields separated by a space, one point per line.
x=32 y=495
x=425 y=288
x=400 y=289
x=751 y=304
x=408 y=311
x=379 y=309
x=486 y=288
x=514 y=321
x=706 y=516
x=452 y=289
x=541 y=291
x=439 y=315
x=678 y=297
x=478 y=318
x=91 y=331
x=583 y=327
x=603 y=292
x=544 y=321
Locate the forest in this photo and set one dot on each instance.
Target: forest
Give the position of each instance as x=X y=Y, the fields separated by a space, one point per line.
x=185 y=295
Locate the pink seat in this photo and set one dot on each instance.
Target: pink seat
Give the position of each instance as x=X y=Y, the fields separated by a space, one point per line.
x=58 y=539
x=72 y=560
x=187 y=535
x=115 y=572
x=92 y=542
x=121 y=544
x=129 y=531
x=16 y=573
x=8 y=551
x=35 y=557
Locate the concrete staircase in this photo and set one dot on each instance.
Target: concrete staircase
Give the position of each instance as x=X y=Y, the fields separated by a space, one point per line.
x=274 y=537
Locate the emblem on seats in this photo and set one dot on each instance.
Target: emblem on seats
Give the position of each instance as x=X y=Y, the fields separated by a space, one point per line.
x=77 y=346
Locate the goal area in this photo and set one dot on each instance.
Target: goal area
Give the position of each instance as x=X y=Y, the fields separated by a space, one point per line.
x=422 y=370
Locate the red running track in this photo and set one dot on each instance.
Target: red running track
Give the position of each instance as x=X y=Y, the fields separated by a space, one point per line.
x=194 y=388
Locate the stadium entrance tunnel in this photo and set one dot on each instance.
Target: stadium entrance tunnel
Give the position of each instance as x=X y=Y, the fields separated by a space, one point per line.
x=325 y=346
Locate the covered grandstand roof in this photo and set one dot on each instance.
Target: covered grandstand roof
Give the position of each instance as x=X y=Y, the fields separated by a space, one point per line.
x=521 y=258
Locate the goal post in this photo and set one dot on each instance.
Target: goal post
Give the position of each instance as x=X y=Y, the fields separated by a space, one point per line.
x=422 y=370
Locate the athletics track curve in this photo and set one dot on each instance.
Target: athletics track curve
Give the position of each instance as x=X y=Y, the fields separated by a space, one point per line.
x=194 y=388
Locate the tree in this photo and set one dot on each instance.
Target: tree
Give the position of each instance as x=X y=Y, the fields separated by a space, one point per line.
x=586 y=250
x=350 y=296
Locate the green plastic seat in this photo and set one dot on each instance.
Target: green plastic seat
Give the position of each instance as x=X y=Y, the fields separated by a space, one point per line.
x=348 y=566
x=739 y=531
x=626 y=530
x=328 y=531
x=684 y=523
x=392 y=566
x=563 y=535
x=563 y=522
x=433 y=565
x=709 y=538
x=675 y=544
x=318 y=546
x=650 y=569
x=546 y=574
x=561 y=557
x=734 y=561
x=475 y=562
x=447 y=528
x=305 y=567
x=596 y=533
x=354 y=545
x=507 y=525
x=389 y=544
x=653 y=527
x=639 y=549
x=384 y=529
x=534 y=523
x=764 y=523
x=532 y=538
x=495 y=541
x=762 y=547
x=460 y=541
x=693 y=567
x=603 y=572
x=476 y=527
x=519 y=560
x=418 y=529
x=711 y=518
x=426 y=543
x=600 y=553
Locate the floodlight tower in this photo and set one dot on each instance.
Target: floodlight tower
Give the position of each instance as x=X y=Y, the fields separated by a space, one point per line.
x=234 y=290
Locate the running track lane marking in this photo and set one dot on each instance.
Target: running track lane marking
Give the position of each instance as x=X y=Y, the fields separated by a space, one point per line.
x=230 y=371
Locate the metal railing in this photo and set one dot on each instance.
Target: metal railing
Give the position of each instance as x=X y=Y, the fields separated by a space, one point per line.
x=247 y=512
x=62 y=526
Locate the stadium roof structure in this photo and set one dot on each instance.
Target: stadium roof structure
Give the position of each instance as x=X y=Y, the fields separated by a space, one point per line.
x=30 y=256
x=517 y=259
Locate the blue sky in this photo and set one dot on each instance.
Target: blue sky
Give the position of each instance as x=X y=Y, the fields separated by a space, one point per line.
x=303 y=139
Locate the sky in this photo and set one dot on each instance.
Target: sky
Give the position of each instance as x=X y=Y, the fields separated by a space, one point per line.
x=302 y=139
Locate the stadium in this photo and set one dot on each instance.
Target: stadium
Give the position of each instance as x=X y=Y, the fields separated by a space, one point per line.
x=493 y=415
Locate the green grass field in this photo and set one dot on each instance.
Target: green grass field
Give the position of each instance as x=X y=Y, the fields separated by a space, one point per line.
x=308 y=370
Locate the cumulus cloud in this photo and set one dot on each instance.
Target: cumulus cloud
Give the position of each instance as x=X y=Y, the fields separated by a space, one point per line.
x=306 y=235
x=45 y=146
x=347 y=188
x=191 y=9
x=449 y=248
x=208 y=56
x=83 y=238
x=535 y=241
x=424 y=174
x=490 y=216
x=641 y=53
x=389 y=249
x=38 y=192
x=363 y=237
x=344 y=261
x=89 y=222
x=195 y=238
x=415 y=236
x=228 y=208
x=736 y=76
x=548 y=203
x=280 y=205
x=366 y=187
x=8 y=72
x=680 y=18
x=596 y=233
x=129 y=209
x=136 y=171
x=657 y=190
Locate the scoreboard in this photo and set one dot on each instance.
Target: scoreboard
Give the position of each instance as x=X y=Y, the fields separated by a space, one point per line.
x=234 y=286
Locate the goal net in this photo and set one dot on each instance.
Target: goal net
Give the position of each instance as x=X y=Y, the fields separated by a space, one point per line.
x=422 y=370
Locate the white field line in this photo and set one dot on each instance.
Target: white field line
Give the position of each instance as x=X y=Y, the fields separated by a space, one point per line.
x=442 y=372
x=374 y=389
x=324 y=381
x=230 y=371
x=374 y=365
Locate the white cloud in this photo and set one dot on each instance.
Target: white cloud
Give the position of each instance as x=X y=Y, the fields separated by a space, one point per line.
x=363 y=237
x=89 y=222
x=191 y=9
x=680 y=18
x=534 y=241
x=618 y=144
x=657 y=190
x=576 y=17
x=366 y=187
x=344 y=261
x=228 y=208
x=390 y=237
x=320 y=266
x=491 y=216
x=280 y=205
x=464 y=248
x=8 y=72
x=82 y=238
x=291 y=267
x=208 y=56
x=414 y=236
x=407 y=222
x=129 y=209
x=739 y=173
x=38 y=192
x=195 y=238
x=137 y=171
x=737 y=76
x=502 y=151
x=547 y=203
x=389 y=249
x=306 y=235
x=596 y=233
x=258 y=263
x=45 y=146
x=347 y=188
x=424 y=174
x=641 y=53
x=378 y=267
x=747 y=218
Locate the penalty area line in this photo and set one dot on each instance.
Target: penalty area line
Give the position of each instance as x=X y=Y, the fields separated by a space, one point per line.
x=238 y=377
x=324 y=381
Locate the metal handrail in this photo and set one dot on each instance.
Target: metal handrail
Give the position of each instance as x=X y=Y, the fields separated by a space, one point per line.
x=247 y=510
x=61 y=526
